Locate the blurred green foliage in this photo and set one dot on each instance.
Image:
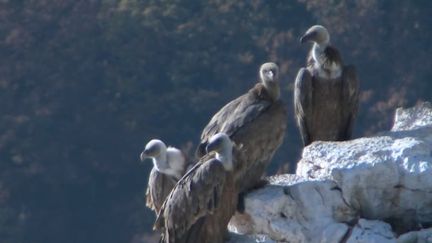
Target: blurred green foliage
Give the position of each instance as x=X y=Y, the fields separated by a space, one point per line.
x=85 y=84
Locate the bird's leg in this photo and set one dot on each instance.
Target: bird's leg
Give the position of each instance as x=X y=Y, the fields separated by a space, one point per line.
x=241 y=196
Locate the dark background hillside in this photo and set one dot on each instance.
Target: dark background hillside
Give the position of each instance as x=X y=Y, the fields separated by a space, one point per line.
x=85 y=84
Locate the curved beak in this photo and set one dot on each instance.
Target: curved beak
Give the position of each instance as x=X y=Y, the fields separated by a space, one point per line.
x=270 y=74
x=303 y=39
x=143 y=156
x=307 y=37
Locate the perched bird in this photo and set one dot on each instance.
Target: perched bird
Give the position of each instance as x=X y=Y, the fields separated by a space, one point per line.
x=326 y=92
x=169 y=165
x=256 y=122
x=201 y=204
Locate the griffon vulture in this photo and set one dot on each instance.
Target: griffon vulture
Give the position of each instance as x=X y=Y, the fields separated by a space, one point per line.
x=169 y=165
x=326 y=92
x=256 y=122
x=201 y=204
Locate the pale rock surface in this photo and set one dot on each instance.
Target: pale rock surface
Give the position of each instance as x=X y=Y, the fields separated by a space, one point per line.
x=374 y=189
x=371 y=231
x=421 y=236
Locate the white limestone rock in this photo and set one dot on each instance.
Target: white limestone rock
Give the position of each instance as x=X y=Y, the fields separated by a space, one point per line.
x=238 y=238
x=387 y=178
x=413 y=118
x=371 y=231
x=421 y=236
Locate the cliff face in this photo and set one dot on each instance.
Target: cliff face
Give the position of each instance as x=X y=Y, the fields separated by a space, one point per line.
x=373 y=189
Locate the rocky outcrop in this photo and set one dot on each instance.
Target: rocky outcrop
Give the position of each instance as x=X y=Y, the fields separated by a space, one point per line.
x=374 y=189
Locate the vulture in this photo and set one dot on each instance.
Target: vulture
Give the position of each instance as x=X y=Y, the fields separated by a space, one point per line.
x=256 y=123
x=201 y=204
x=169 y=165
x=326 y=92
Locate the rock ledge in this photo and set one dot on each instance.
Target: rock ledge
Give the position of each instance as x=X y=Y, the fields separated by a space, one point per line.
x=373 y=189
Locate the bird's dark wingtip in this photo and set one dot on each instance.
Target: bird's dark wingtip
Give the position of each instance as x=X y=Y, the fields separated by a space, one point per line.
x=241 y=203
x=261 y=183
x=241 y=196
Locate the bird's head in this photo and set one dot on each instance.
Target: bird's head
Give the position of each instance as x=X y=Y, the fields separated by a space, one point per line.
x=269 y=75
x=153 y=149
x=317 y=34
x=222 y=145
x=269 y=72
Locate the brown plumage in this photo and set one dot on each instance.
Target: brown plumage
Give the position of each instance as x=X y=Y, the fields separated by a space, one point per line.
x=256 y=122
x=159 y=186
x=169 y=165
x=326 y=92
x=201 y=204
